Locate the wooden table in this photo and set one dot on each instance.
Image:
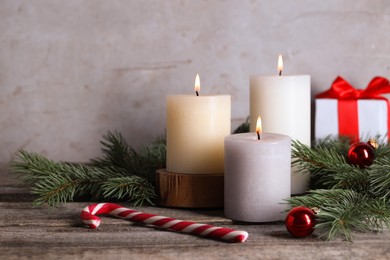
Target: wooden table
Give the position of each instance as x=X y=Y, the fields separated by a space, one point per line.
x=43 y=233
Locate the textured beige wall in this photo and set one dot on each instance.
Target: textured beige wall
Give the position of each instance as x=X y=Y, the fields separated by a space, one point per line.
x=71 y=70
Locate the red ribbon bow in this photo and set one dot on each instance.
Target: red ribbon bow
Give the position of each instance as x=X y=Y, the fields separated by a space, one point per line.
x=347 y=104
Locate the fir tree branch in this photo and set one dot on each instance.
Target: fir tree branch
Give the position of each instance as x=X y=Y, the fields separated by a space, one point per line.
x=379 y=175
x=148 y=160
x=350 y=198
x=144 y=163
x=134 y=188
x=33 y=167
x=243 y=128
x=116 y=151
x=60 y=182
x=317 y=158
x=54 y=190
x=379 y=214
x=328 y=167
x=340 y=211
x=335 y=221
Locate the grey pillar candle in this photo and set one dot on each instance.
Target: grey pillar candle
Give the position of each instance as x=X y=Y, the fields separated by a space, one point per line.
x=257 y=177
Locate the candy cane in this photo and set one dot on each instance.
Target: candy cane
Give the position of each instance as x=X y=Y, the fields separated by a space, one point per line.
x=227 y=234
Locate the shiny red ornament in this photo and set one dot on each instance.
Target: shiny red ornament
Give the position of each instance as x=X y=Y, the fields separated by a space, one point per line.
x=361 y=154
x=300 y=221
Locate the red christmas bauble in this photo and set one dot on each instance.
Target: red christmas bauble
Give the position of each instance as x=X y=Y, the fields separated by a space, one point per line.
x=361 y=154
x=300 y=221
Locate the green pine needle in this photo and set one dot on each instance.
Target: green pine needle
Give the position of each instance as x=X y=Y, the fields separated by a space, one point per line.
x=134 y=188
x=327 y=165
x=243 y=128
x=33 y=167
x=350 y=198
x=116 y=151
x=143 y=163
x=380 y=177
x=122 y=173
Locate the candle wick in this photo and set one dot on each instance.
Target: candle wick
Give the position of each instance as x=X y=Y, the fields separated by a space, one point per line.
x=197 y=93
x=280 y=72
x=258 y=135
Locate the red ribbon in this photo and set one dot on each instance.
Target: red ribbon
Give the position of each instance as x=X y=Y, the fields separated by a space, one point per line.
x=347 y=103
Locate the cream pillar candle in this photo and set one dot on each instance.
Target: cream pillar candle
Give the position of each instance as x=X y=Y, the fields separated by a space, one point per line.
x=196 y=128
x=257 y=177
x=284 y=104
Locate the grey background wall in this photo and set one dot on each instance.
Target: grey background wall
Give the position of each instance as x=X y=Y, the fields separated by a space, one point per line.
x=72 y=70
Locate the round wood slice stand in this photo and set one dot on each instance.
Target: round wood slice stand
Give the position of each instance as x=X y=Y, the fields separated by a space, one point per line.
x=189 y=190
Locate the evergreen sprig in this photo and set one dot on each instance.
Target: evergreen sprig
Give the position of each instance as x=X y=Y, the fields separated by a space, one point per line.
x=380 y=178
x=121 y=173
x=117 y=153
x=139 y=189
x=349 y=197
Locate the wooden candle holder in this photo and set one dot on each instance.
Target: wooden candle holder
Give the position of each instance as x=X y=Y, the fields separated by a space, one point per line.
x=189 y=190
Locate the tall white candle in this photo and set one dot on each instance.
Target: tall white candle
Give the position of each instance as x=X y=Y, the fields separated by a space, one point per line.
x=196 y=128
x=257 y=177
x=284 y=105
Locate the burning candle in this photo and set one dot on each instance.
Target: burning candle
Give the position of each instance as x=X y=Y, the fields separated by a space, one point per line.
x=257 y=176
x=196 y=128
x=284 y=104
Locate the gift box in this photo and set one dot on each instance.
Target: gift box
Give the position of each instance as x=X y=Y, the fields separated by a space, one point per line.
x=356 y=113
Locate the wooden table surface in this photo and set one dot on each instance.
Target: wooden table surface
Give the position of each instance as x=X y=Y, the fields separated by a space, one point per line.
x=45 y=233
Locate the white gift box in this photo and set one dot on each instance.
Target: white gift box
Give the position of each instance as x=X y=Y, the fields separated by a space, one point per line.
x=372 y=118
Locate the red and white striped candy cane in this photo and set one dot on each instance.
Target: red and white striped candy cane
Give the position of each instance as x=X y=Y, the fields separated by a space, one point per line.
x=227 y=234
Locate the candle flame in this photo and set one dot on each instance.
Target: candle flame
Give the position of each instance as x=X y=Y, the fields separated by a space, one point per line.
x=197 y=84
x=259 y=129
x=280 y=64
